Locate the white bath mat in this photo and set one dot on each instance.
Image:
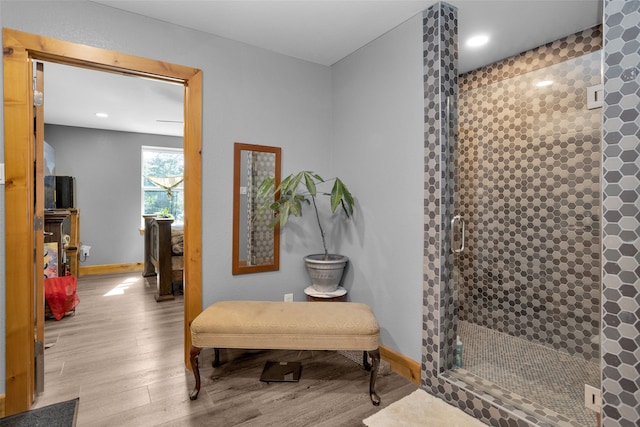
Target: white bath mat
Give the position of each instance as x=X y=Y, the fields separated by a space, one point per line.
x=420 y=409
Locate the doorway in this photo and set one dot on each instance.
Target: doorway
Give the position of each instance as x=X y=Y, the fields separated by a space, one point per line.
x=20 y=49
x=103 y=157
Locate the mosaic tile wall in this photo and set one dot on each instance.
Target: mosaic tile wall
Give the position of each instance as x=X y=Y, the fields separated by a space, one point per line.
x=621 y=215
x=439 y=38
x=621 y=380
x=573 y=46
x=431 y=262
x=527 y=181
x=620 y=238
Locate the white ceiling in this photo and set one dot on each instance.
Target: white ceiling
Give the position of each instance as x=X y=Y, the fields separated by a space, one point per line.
x=319 y=31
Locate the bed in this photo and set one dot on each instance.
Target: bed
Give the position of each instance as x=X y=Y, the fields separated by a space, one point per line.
x=164 y=256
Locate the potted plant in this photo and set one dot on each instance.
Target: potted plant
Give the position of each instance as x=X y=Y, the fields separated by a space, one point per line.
x=324 y=269
x=164 y=213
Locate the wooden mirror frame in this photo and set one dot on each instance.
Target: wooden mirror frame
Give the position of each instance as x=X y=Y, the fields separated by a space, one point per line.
x=239 y=266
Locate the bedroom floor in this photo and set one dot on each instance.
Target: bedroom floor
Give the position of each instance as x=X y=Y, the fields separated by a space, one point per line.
x=121 y=353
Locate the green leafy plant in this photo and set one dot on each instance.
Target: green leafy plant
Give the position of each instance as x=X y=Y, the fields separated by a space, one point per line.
x=164 y=213
x=300 y=188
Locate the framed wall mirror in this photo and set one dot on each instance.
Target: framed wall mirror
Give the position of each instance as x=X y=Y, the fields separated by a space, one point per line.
x=256 y=245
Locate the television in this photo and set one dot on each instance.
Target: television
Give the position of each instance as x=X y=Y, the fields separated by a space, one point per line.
x=65 y=192
x=49 y=192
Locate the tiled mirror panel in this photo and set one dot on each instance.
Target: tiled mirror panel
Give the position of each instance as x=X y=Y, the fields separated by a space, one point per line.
x=259 y=249
x=621 y=215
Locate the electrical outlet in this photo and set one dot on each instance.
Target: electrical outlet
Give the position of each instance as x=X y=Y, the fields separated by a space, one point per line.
x=592 y=399
x=288 y=297
x=85 y=251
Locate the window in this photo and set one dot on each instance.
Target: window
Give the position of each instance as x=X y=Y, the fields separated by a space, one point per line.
x=162 y=186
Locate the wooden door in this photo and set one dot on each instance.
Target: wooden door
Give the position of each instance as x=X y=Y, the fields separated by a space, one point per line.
x=19 y=49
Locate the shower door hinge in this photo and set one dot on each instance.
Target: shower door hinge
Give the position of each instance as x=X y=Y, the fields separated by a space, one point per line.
x=595 y=96
x=592 y=399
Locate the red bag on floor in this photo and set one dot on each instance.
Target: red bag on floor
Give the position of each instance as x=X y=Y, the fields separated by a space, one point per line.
x=60 y=293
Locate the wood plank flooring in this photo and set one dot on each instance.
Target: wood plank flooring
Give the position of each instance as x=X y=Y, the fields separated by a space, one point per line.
x=121 y=353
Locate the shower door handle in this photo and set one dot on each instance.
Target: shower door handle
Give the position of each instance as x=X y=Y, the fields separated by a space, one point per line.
x=457 y=220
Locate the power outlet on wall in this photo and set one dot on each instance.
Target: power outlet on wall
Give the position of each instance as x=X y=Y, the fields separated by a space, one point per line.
x=592 y=399
x=85 y=251
x=288 y=297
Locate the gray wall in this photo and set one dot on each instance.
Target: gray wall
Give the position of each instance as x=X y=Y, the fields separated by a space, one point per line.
x=249 y=95
x=255 y=96
x=378 y=151
x=107 y=168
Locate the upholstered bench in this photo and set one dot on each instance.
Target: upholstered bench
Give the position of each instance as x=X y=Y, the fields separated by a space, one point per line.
x=287 y=326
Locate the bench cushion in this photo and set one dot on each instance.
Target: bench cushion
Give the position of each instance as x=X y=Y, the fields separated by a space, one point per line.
x=286 y=326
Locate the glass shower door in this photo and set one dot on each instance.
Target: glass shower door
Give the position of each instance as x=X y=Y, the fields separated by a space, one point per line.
x=527 y=169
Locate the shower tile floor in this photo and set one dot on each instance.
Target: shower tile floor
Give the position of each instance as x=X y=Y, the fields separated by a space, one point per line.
x=529 y=375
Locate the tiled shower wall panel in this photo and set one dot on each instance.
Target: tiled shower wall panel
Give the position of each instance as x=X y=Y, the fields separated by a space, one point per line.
x=621 y=215
x=527 y=182
x=432 y=197
x=439 y=35
x=440 y=91
x=573 y=46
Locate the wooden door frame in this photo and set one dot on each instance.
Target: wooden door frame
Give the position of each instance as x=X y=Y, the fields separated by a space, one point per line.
x=19 y=50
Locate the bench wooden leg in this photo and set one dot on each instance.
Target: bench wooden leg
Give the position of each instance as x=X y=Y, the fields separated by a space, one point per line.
x=375 y=359
x=365 y=361
x=193 y=358
x=216 y=358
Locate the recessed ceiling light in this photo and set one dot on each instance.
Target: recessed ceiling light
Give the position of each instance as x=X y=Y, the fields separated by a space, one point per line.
x=544 y=83
x=102 y=115
x=478 y=40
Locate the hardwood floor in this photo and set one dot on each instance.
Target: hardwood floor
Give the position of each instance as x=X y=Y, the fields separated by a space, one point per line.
x=121 y=353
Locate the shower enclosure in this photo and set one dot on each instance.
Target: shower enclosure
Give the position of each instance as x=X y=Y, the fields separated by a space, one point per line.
x=512 y=228
x=527 y=169
x=537 y=286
